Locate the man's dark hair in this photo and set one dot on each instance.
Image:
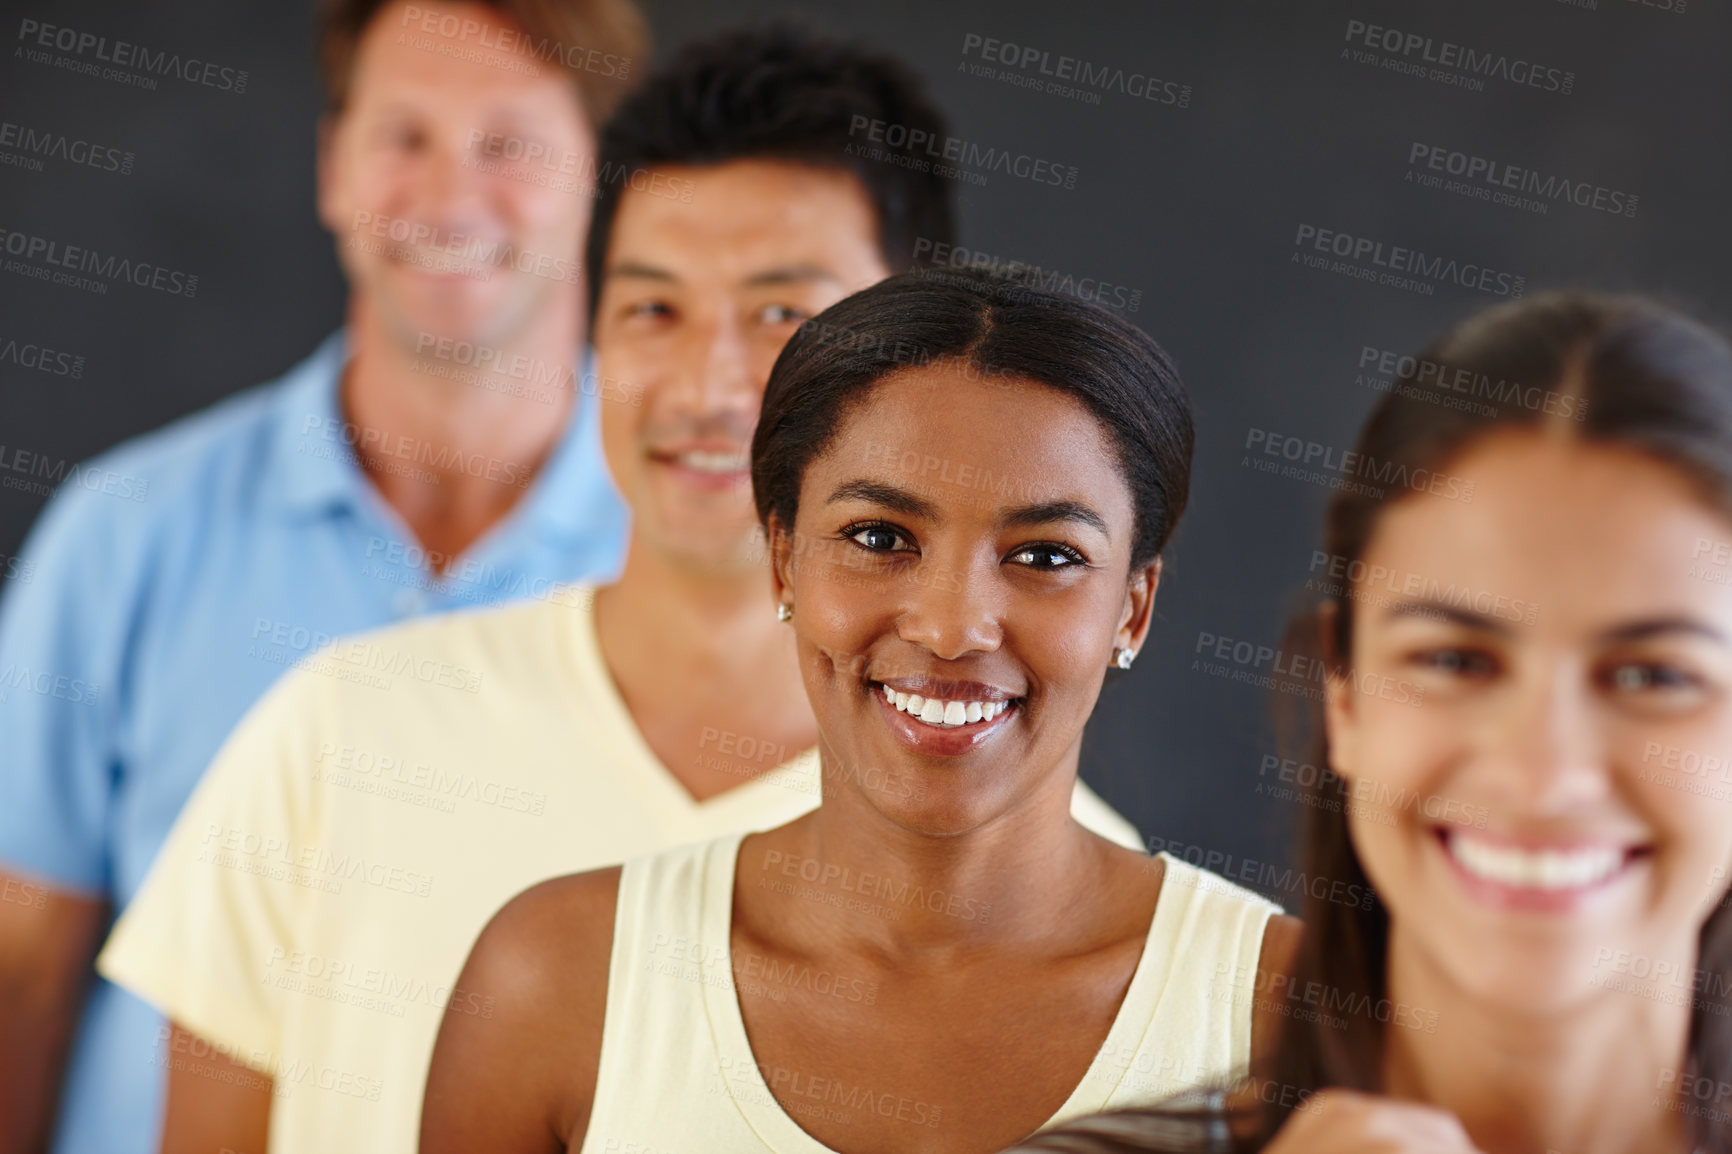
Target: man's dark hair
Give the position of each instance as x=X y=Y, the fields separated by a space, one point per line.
x=781 y=92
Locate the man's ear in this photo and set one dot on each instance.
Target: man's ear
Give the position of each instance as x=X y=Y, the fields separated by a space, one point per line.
x=1340 y=717
x=1139 y=607
x=781 y=542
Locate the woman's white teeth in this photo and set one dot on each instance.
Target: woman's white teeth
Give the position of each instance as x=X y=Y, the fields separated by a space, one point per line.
x=1545 y=869
x=944 y=714
x=705 y=461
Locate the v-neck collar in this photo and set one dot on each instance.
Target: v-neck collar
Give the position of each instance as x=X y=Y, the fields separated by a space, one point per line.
x=646 y=772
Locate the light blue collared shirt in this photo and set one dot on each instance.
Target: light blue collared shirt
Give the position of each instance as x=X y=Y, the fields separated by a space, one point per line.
x=165 y=587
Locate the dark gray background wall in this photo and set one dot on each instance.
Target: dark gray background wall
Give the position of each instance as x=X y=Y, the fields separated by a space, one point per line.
x=1195 y=208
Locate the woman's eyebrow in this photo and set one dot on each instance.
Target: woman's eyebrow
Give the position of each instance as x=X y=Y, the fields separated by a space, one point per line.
x=1048 y=512
x=1444 y=611
x=1635 y=631
x=897 y=500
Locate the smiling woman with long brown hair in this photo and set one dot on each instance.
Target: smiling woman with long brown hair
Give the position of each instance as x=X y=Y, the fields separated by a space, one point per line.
x=966 y=487
x=1549 y=967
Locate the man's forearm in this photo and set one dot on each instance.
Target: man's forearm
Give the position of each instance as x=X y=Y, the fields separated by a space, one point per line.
x=33 y=1050
x=48 y=942
x=214 y=1102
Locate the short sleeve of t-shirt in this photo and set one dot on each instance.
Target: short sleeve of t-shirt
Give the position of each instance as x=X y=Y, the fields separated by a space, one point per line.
x=225 y=890
x=63 y=614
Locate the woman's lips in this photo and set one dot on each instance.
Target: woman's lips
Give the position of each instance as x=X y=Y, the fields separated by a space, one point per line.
x=959 y=725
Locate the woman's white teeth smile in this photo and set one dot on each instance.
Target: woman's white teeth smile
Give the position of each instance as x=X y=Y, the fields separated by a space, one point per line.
x=1541 y=869
x=943 y=714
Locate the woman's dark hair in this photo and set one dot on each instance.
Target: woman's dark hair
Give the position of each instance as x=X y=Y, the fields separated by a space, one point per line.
x=781 y=92
x=1613 y=371
x=1000 y=332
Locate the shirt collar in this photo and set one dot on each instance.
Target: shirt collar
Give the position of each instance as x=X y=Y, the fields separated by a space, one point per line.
x=316 y=471
x=574 y=493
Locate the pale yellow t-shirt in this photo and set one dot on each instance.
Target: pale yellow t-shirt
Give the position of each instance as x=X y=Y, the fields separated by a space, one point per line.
x=315 y=902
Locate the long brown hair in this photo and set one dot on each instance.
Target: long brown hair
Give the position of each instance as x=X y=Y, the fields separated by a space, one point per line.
x=1618 y=371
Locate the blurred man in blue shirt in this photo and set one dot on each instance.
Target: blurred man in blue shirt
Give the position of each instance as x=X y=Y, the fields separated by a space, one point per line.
x=440 y=451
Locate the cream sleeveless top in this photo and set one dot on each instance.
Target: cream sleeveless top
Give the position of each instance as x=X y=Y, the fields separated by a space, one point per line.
x=677 y=1074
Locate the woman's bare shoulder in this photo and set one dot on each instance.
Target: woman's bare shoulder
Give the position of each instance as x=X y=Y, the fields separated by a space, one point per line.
x=551 y=933
x=520 y=1043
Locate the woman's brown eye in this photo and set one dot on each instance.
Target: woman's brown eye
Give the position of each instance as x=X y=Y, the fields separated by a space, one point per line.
x=877 y=538
x=1042 y=557
x=1047 y=556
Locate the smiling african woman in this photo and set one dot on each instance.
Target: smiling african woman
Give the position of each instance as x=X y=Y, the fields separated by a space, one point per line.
x=938 y=958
